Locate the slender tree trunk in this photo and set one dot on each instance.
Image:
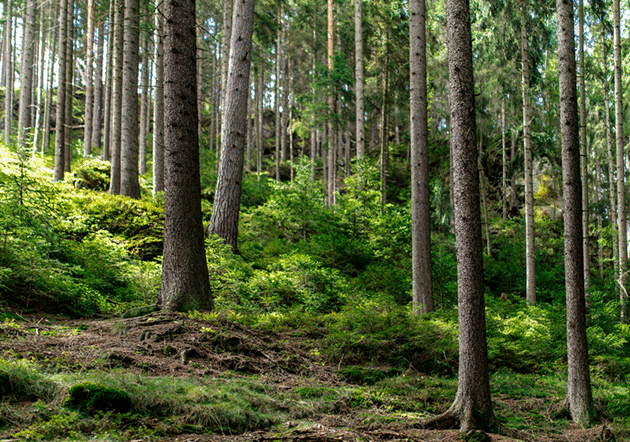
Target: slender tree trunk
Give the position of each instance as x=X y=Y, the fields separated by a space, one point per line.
x=51 y=71
x=248 y=129
x=44 y=37
x=484 y=192
x=158 y=108
x=332 y=151
x=69 y=90
x=109 y=84
x=260 y=93
x=585 y=229
x=285 y=87
x=8 y=66
x=359 y=86
x=97 y=113
x=226 y=208
x=504 y=161
x=621 y=199
x=384 y=134
x=530 y=245
x=579 y=396
x=422 y=283
x=89 y=78
x=600 y=222
x=213 y=97
x=276 y=102
x=185 y=282
x=117 y=93
x=26 y=74
x=58 y=172
x=145 y=101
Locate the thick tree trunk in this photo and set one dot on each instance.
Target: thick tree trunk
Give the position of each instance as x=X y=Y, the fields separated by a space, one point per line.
x=621 y=199
x=225 y=46
x=579 y=396
x=117 y=92
x=60 y=116
x=26 y=74
x=226 y=208
x=358 y=72
x=129 y=184
x=185 y=283
x=89 y=79
x=158 y=107
x=530 y=245
x=422 y=283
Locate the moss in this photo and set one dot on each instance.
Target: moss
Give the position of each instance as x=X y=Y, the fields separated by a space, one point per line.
x=91 y=398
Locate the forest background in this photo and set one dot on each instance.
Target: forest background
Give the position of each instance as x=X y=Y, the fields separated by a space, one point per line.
x=324 y=243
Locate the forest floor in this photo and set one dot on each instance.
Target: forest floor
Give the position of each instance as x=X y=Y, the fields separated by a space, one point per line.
x=176 y=346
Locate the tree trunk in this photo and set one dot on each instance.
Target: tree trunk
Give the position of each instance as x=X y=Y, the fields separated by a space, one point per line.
x=129 y=184
x=44 y=37
x=97 y=113
x=472 y=407
x=145 y=102
x=26 y=74
x=185 y=282
x=579 y=396
x=359 y=86
x=225 y=56
x=117 y=92
x=285 y=87
x=67 y=141
x=51 y=64
x=585 y=230
x=260 y=93
x=226 y=208
x=109 y=84
x=8 y=72
x=504 y=161
x=332 y=150
x=89 y=80
x=158 y=107
x=530 y=245
x=249 y=130
x=384 y=134
x=58 y=172
x=276 y=102
x=621 y=199
x=422 y=283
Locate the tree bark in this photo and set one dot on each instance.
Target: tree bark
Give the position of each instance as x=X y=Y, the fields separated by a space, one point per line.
x=332 y=149
x=144 y=104
x=89 y=80
x=504 y=162
x=109 y=84
x=67 y=134
x=584 y=156
x=359 y=86
x=260 y=92
x=422 y=283
x=226 y=208
x=579 y=396
x=8 y=72
x=185 y=282
x=26 y=74
x=97 y=113
x=158 y=107
x=117 y=92
x=44 y=37
x=60 y=116
x=51 y=64
x=384 y=133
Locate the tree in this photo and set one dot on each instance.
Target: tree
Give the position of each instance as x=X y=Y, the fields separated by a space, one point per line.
x=420 y=202
x=584 y=169
x=116 y=100
x=158 y=107
x=58 y=171
x=359 y=86
x=97 y=113
x=26 y=73
x=89 y=80
x=227 y=200
x=185 y=281
x=579 y=396
x=472 y=407
x=8 y=71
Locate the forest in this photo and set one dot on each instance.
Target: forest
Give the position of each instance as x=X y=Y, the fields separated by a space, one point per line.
x=377 y=220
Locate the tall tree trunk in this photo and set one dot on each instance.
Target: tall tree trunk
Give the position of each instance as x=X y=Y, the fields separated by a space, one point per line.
x=109 y=84
x=44 y=37
x=226 y=208
x=530 y=245
x=358 y=72
x=579 y=396
x=472 y=407
x=225 y=43
x=585 y=230
x=97 y=113
x=276 y=101
x=60 y=116
x=8 y=74
x=26 y=73
x=484 y=192
x=504 y=161
x=422 y=283
x=285 y=87
x=145 y=102
x=185 y=283
x=621 y=199
x=384 y=133
x=129 y=184
x=248 y=129
x=158 y=107
x=260 y=93
x=612 y=218
x=117 y=92
x=67 y=141
x=49 y=93
x=332 y=151
x=89 y=80
x=213 y=97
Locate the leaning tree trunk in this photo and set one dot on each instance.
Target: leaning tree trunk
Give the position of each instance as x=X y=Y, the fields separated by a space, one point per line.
x=579 y=396
x=226 y=208
x=422 y=283
x=26 y=74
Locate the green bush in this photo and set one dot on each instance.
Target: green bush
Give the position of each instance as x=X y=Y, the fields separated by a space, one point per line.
x=92 y=398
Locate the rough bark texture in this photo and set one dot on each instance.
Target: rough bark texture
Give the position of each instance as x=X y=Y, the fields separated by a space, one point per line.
x=107 y=114
x=43 y=80
x=384 y=135
x=26 y=73
x=225 y=55
x=420 y=195
x=46 y=126
x=185 y=282
x=8 y=73
x=284 y=78
x=227 y=200
x=129 y=184
x=158 y=107
x=276 y=104
x=472 y=407
x=579 y=396
x=332 y=154
x=60 y=116
x=67 y=134
x=89 y=78
x=260 y=92
x=359 y=78
x=97 y=113
x=584 y=156
x=116 y=103
x=144 y=105
x=530 y=246
x=504 y=162
x=621 y=200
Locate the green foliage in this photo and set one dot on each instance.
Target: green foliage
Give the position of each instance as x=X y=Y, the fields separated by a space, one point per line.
x=92 y=398
x=92 y=174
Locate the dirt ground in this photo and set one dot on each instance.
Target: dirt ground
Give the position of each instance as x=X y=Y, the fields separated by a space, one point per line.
x=175 y=345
